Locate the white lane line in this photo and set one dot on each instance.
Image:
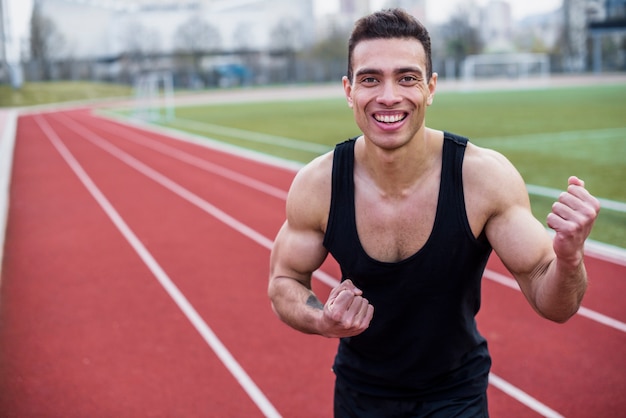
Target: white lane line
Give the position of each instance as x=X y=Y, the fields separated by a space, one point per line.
x=556 y=137
x=166 y=182
x=240 y=227
x=585 y=312
x=605 y=252
x=181 y=301
x=522 y=397
x=555 y=194
x=198 y=162
x=251 y=136
x=8 y=127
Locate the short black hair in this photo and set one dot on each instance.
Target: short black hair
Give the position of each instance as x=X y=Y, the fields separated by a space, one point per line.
x=387 y=24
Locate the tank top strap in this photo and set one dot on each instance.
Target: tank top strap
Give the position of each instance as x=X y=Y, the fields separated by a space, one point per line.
x=451 y=197
x=342 y=194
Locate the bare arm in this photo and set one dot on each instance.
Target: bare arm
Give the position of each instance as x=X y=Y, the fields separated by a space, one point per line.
x=298 y=251
x=551 y=273
x=572 y=218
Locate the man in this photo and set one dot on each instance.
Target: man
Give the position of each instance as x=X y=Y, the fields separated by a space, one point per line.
x=411 y=214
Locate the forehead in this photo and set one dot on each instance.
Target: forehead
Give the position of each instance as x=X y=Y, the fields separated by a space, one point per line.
x=394 y=52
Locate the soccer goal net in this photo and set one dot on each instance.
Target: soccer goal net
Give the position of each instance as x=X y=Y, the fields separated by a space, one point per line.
x=509 y=66
x=154 y=96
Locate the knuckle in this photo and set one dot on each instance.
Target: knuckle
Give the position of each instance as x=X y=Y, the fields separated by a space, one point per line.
x=335 y=316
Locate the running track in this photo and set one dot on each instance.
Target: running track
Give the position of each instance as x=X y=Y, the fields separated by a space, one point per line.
x=134 y=285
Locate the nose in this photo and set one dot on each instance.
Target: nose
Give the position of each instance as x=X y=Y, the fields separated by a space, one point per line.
x=389 y=94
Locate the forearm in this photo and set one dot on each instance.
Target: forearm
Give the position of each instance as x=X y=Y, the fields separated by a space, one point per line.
x=559 y=290
x=296 y=305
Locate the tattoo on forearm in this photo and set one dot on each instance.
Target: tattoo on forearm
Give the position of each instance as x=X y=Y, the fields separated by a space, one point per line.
x=314 y=302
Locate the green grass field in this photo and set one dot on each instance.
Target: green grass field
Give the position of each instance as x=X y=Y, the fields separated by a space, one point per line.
x=548 y=134
x=57 y=92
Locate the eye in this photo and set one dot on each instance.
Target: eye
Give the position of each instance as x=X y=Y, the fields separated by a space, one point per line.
x=409 y=80
x=369 y=80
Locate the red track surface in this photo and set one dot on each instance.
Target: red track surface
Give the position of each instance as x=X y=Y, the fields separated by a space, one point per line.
x=88 y=330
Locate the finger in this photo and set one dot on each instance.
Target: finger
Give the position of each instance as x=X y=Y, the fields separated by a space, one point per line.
x=348 y=305
x=572 y=217
x=341 y=302
x=564 y=217
x=364 y=315
x=334 y=292
x=348 y=284
x=576 y=187
x=556 y=222
x=356 y=314
x=567 y=203
x=345 y=297
x=573 y=180
x=355 y=305
x=577 y=203
x=345 y=285
x=583 y=202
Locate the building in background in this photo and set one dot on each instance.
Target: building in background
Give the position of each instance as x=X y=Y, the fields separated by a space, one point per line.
x=496 y=27
x=228 y=42
x=354 y=9
x=341 y=20
x=575 y=34
x=206 y=37
x=106 y=27
x=607 y=28
x=416 y=7
x=601 y=21
x=10 y=56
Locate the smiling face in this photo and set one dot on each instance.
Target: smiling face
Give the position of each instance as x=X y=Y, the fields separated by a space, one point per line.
x=390 y=90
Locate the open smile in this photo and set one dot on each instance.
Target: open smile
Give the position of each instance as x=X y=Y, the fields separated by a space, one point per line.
x=390 y=118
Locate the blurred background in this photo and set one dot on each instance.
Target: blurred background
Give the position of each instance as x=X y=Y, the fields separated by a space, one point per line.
x=223 y=43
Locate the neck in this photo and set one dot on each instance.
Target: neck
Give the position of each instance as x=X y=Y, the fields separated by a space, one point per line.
x=395 y=172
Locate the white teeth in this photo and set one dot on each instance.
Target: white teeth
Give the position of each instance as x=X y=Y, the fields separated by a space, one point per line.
x=389 y=118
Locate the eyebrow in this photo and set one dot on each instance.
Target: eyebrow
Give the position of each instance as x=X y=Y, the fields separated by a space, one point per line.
x=377 y=71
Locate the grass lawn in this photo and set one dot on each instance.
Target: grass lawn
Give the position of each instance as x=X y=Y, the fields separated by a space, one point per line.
x=57 y=92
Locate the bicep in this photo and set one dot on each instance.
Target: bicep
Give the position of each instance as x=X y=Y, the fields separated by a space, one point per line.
x=299 y=248
x=517 y=237
x=297 y=253
x=522 y=244
x=520 y=240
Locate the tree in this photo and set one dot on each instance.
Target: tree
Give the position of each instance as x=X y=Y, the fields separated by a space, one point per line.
x=46 y=42
x=197 y=38
x=139 y=40
x=460 y=38
x=286 y=38
x=139 y=45
x=331 y=54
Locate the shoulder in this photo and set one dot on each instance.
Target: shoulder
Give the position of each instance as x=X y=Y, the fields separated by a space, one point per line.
x=489 y=175
x=308 y=201
x=490 y=169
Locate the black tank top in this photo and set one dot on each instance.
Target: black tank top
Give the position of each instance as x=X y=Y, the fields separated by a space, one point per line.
x=423 y=341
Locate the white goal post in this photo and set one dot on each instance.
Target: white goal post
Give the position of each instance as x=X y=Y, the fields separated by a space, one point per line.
x=154 y=92
x=510 y=66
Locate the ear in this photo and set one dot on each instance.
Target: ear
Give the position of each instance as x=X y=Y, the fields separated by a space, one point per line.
x=347 y=88
x=432 y=87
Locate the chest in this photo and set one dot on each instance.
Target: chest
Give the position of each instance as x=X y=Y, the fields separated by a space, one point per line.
x=392 y=229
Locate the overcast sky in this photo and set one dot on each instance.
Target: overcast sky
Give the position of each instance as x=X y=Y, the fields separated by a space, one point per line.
x=438 y=10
